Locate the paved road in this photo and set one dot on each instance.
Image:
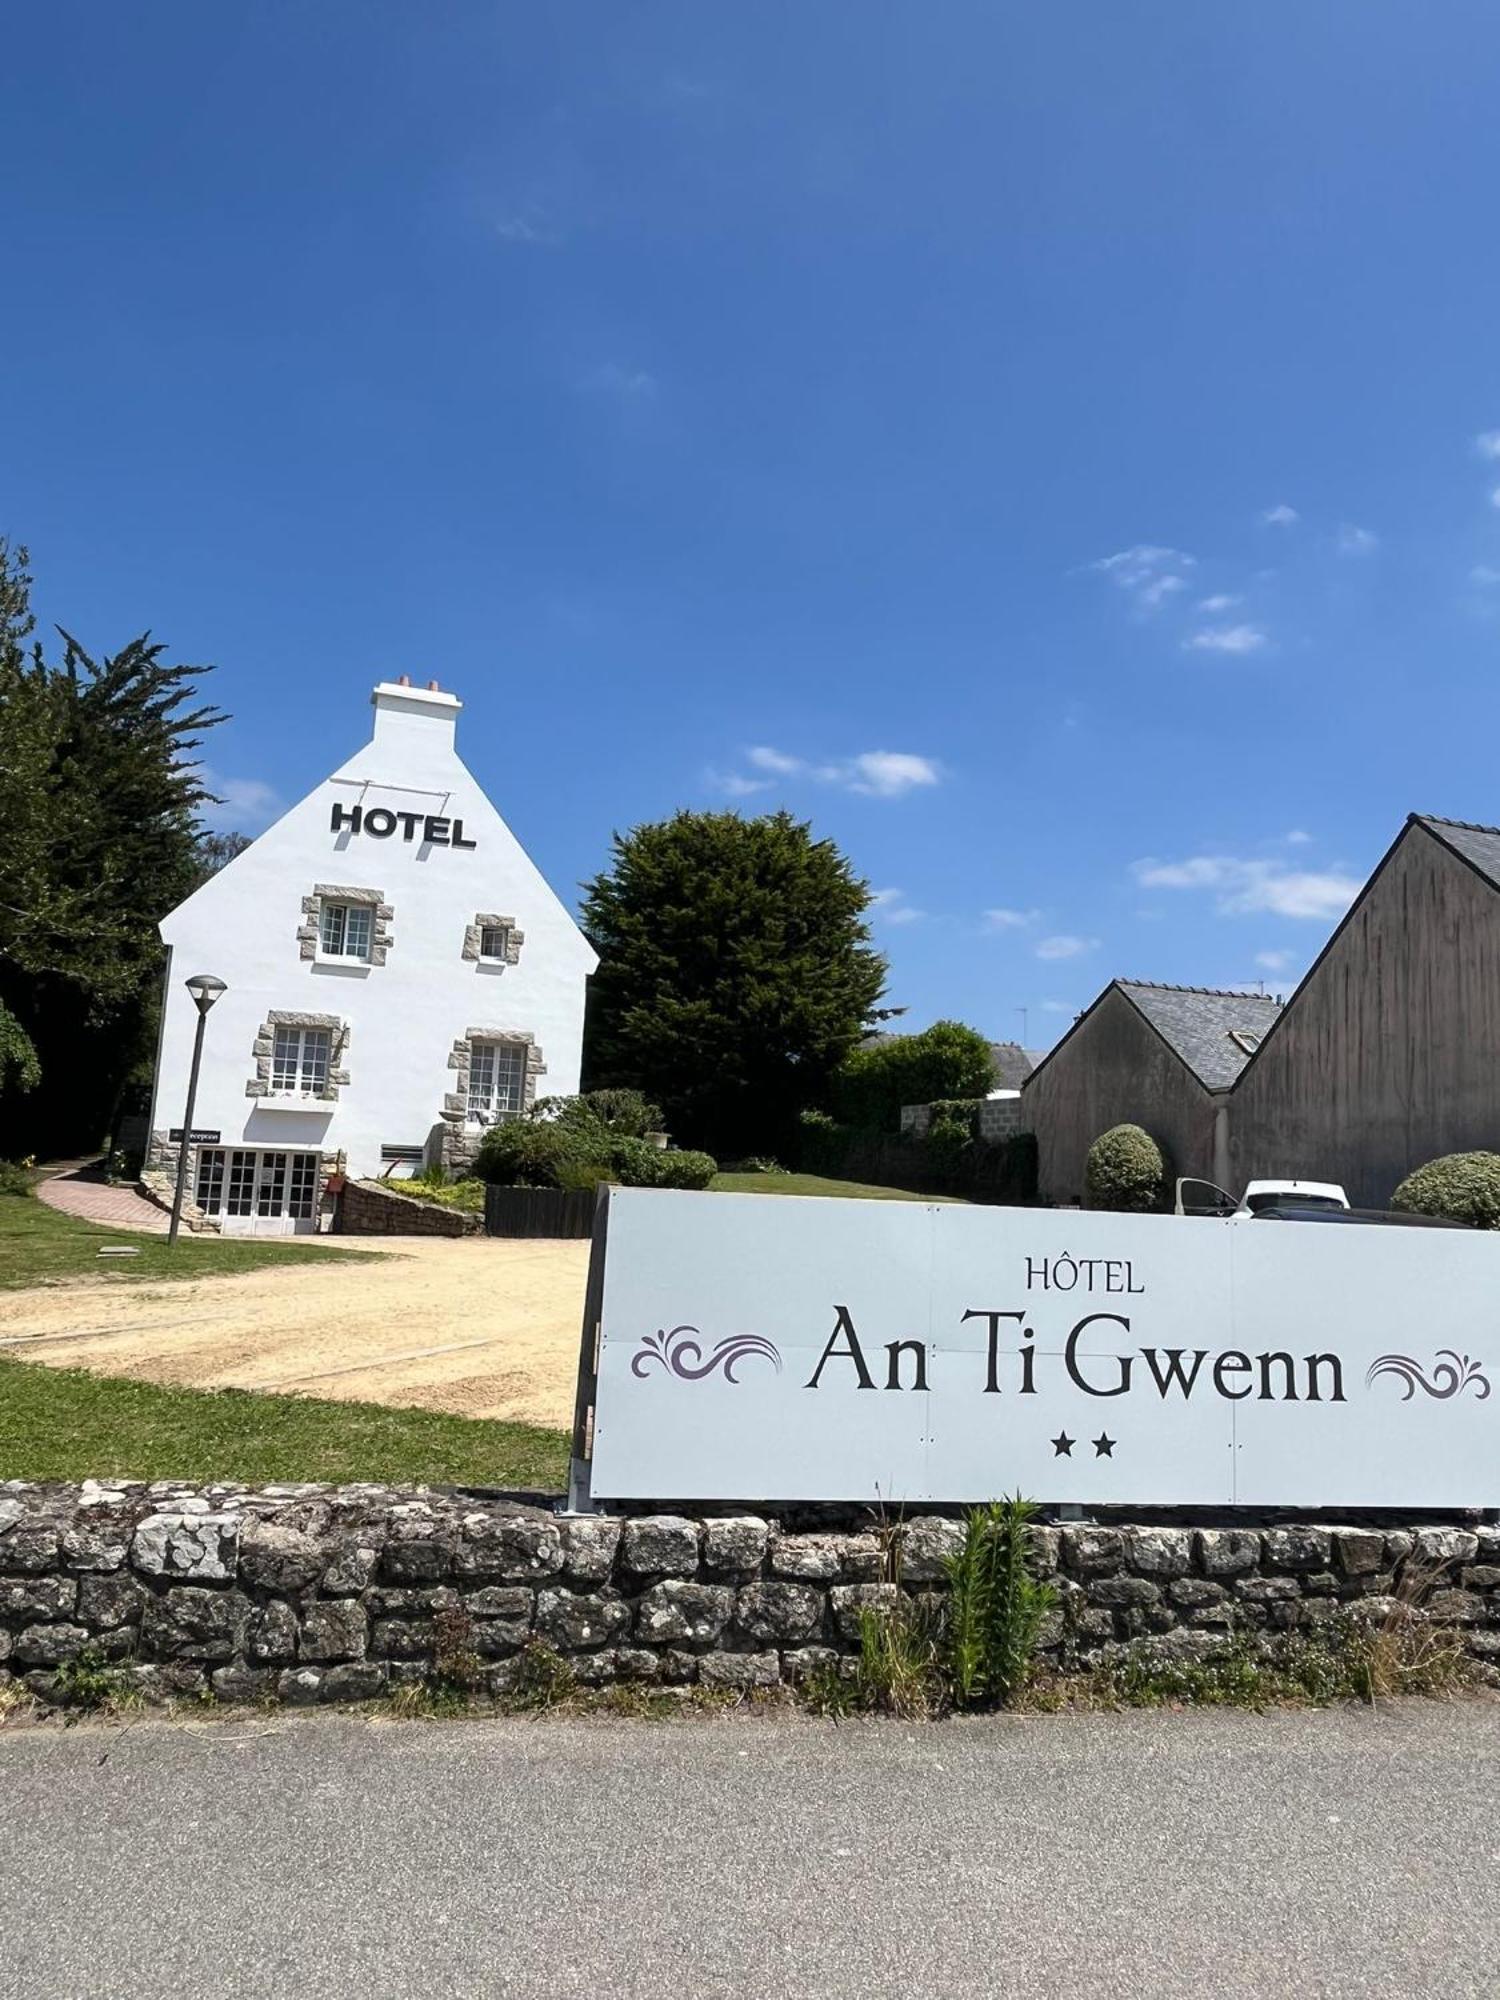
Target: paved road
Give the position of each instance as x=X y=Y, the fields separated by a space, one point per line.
x=1141 y=1855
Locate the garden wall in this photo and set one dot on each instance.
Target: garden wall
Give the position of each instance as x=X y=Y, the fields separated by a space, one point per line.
x=340 y=1593
x=371 y=1208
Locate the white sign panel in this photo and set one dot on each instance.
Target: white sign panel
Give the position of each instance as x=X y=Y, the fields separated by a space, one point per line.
x=756 y=1348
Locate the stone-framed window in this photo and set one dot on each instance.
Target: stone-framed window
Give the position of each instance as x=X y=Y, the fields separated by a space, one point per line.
x=493 y=940
x=300 y=1055
x=346 y=925
x=476 y=1075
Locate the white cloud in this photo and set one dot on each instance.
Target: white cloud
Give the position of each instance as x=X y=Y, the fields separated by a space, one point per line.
x=735 y=785
x=1225 y=639
x=1009 y=920
x=1058 y=1007
x=628 y=385
x=1148 y=574
x=1273 y=961
x=1495 y=496
x=764 y=758
x=889 y=906
x=248 y=804
x=1220 y=603
x=526 y=229
x=1280 y=516
x=1484 y=574
x=880 y=774
x=1355 y=541
x=887 y=774
x=1065 y=947
x=1487 y=444
x=1297 y=838
x=1255 y=887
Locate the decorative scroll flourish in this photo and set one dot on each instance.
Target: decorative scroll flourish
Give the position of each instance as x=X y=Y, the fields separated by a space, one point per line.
x=1450 y=1375
x=680 y=1352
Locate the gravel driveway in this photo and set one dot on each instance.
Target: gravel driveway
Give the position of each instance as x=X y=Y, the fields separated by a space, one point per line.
x=479 y=1327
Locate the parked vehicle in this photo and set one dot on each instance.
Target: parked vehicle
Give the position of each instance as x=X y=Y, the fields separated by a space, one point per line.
x=1195 y=1197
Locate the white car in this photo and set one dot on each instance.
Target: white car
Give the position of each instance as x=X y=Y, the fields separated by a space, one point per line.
x=1196 y=1197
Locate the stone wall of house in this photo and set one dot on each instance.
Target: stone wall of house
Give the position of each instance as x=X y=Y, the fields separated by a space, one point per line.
x=371 y=1208
x=309 y=1593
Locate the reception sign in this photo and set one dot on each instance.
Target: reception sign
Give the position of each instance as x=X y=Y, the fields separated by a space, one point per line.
x=740 y=1347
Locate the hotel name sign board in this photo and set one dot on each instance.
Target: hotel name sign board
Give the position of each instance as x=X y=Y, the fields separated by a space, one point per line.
x=755 y=1349
x=380 y=822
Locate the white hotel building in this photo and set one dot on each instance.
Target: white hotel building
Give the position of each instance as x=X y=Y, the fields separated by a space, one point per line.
x=398 y=975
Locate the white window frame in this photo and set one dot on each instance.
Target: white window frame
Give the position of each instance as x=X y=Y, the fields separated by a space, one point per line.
x=301 y=1061
x=497 y=1080
x=339 y=923
x=503 y=933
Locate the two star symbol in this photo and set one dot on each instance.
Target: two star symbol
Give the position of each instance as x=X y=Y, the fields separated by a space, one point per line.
x=1104 y=1447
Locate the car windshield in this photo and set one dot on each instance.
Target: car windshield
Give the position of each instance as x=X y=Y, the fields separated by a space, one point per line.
x=1288 y=1198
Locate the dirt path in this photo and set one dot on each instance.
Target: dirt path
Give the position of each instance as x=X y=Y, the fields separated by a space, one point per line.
x=482 y=1328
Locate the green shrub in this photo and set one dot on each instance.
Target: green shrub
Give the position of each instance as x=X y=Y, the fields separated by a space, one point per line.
x=624 y=1114
x=466 y=1196
x=525 y=1152
x=1464 y=1187
x=686 y=1169
x=947 y=1060
x=14 y=1178
x=822 y=1143
x=1125 y=1170
x=995 y=1604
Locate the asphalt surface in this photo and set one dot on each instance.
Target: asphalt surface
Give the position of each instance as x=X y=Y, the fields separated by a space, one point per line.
x=1337 y=1852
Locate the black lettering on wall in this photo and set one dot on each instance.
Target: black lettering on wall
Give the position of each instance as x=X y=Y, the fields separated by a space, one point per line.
x=1314 y=1363
x=380 y=821
x=1121 y=1361
x=992 y=1375
x=345 y=817
x=1266 y=1394
x=1174 y=1375
x=852 y=1352
x=895 y=1349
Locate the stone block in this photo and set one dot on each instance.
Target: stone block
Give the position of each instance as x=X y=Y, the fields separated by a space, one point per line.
x=170 y=1680
x=1444 y=1546
x=1092 y=1551
x=38 y=1597
x=573 y=1622
x=197 y=1548
x=1164 y=1552
x=740 y=1670
x=1267 y=1589
x=1228 y=1551
x=1195 y=1592
x=280 y=1559
x=848 y=1600
x=1045 y=1548
x=335 y=1629
x=861 y=1558
x=779 y=1613
x=808 y=1558
x=351 y=1571
x=1116 y=1592
x=1357 y=1551
x=736 y=1545
x=299 y=1687
x=358 y=1680
x=111 y=1600
x=509 y=1547
x=101 y=1548
x=679 y=1666
x=926 y=1546
x=1297 y=1548
x=271 y=1633
x=660 y=1545
x=242 y=1684
x=674 y=1610
x=1482 y=1576
x=403 y=1638
x=589 y=1547
x=191 y=1622
x=1455 y=1607
x=803 y=1662
x=48 y=1645
x=28 y=1550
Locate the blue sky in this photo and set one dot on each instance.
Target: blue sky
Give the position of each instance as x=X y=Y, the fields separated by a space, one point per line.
x=1056 y=449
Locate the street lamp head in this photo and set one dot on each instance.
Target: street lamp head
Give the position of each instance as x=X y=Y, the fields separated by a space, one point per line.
x=205 y=989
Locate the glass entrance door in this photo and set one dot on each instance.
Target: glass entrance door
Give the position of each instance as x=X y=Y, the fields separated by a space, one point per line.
x=255 y=1192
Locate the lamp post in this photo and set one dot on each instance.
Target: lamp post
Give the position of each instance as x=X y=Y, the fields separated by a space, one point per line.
x=205 y=989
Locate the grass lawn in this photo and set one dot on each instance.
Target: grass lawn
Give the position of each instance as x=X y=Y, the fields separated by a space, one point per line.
x=814 y=1184
x=39 y=1246
x=63 y=1423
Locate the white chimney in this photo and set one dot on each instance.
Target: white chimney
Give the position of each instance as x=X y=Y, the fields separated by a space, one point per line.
x=414 y=723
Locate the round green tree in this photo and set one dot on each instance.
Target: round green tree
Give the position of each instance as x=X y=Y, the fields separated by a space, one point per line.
x=947 y=1060
x=736 y=973
x=1464 y=1187
x=1125 y=1170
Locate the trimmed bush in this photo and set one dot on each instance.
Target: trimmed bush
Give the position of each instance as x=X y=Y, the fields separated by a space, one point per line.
x=1464 y=1187
x=686 y=1169
x=946 y=1060
x=528 y=1152
x=623 y=1114
x=540 y=1152
x=1125 y=1170
x=14 y=1178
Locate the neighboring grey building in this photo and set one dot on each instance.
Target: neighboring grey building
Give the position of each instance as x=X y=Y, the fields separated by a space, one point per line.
x=1013 y=1064
x=1388 y=1053
x=1162 y=1057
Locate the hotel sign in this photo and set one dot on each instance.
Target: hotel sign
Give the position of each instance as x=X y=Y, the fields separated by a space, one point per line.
x=755 y=1349
x=380 y=823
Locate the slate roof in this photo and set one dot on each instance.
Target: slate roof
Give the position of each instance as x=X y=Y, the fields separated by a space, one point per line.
x=1200 y=1022
x=1479 y=845
x=1013 y=1065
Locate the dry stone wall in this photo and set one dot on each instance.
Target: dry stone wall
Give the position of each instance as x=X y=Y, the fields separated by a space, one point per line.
x=308 y=1593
